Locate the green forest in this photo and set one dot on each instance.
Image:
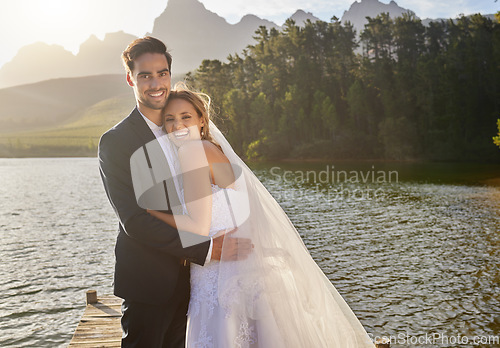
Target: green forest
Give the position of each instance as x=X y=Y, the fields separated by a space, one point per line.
x=413 y=92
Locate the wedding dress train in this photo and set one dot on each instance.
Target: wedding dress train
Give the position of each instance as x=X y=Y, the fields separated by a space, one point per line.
x=277 y=297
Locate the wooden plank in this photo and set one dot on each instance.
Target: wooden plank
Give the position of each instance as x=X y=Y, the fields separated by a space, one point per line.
x=100 y=323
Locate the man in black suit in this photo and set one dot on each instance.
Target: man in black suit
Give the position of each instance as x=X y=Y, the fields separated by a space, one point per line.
x=152 y=263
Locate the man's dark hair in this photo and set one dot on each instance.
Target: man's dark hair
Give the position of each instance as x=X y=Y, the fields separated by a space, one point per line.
x=138 y=47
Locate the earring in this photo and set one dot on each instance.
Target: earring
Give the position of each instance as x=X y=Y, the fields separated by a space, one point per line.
x=201 y=131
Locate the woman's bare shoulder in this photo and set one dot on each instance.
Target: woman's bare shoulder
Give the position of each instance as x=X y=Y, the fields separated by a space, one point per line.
x=214 y=154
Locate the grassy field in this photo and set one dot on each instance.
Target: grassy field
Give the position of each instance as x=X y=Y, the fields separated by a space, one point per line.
x=62 y=117
x=77 y=138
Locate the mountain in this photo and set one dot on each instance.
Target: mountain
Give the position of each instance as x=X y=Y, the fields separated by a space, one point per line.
x=37 y=62
x=190 y=31
x=300 y=17
x=53 y=103
x=358 y=12
x=428 y=20
x=193 y=33
x=97 y=57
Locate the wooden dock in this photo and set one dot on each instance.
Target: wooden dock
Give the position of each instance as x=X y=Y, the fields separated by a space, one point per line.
x=100 y=323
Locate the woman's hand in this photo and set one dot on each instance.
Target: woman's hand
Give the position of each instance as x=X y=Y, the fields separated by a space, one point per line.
x=235 y=248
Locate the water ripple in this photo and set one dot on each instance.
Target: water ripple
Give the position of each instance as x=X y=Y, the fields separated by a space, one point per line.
x=420 y=258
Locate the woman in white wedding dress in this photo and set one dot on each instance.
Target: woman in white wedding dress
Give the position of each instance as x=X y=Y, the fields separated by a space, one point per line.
x=278 y=296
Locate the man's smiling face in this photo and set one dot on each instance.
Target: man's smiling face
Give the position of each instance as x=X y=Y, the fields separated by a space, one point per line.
x=150 y=80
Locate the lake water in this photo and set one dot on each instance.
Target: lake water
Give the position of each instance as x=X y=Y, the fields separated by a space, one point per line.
x=414 y=254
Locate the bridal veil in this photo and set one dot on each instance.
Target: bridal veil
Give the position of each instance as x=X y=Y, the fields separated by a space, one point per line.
x=279 y=292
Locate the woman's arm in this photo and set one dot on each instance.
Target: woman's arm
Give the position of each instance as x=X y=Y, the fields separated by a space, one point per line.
x=197 y=191
x=166 y=218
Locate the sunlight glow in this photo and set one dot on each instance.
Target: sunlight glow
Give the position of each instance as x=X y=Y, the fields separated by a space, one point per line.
x=53 y=10
x=71 y=22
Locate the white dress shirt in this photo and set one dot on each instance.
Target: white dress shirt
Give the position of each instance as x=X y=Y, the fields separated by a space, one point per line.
x=160 y=135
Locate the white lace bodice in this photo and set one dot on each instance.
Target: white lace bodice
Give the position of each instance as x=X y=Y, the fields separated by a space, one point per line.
x=221 y=211
x=204 y=278
x=206 y=315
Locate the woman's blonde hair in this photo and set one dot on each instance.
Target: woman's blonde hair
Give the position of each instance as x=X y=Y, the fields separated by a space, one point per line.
x=201 y=103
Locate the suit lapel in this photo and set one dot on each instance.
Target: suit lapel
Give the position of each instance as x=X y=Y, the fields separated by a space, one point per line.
x=140 y=127
x=157 y=160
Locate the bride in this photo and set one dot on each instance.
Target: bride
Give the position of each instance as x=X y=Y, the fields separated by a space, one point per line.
x=278 y=296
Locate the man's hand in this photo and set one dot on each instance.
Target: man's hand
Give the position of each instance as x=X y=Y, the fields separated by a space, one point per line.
x=234 y=248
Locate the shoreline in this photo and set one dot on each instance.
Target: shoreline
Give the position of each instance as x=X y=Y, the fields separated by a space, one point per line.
x=82 y=152
x=493 y=182
x=321 y=160
x=492 y=196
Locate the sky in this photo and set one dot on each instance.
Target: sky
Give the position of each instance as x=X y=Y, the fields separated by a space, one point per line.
x=70 y=22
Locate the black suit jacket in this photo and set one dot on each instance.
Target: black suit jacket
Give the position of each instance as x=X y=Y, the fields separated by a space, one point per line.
x=148 y=251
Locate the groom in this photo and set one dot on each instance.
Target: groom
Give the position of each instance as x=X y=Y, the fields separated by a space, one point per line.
x=152 y=266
